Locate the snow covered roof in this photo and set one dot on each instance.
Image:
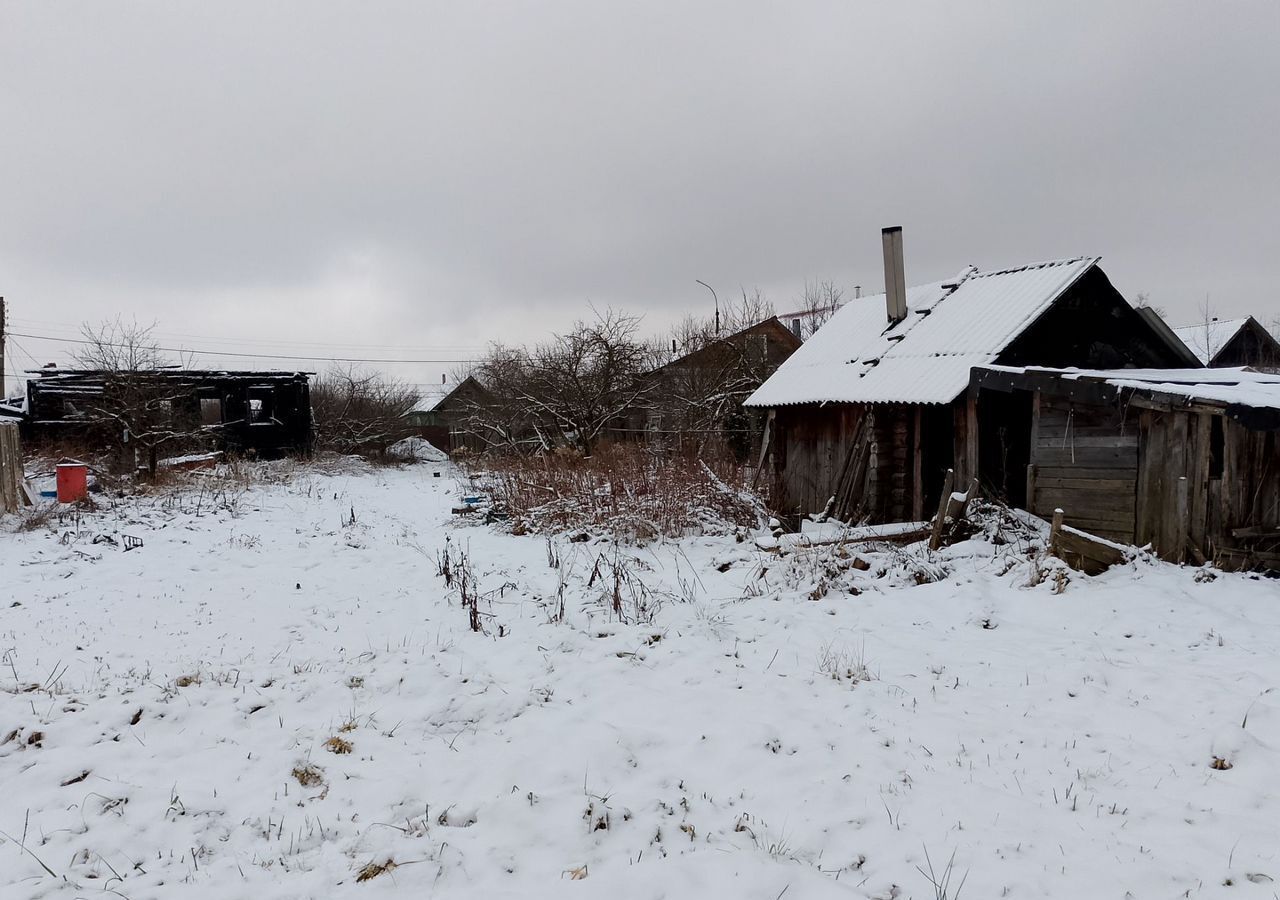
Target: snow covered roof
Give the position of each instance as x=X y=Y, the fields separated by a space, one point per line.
x=951 y=326
x=432 y=397
x=1224 y=387
x=1207 y=338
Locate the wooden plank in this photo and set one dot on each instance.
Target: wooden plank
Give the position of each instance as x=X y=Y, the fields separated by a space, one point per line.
x=1181 y=514
x=1103 y=473
x=1101 y=437
x=1095 y=457
x=1031 y=486
x=1147 y=505
x=1084 y=482
x=1199 y=487
x=1081 y=551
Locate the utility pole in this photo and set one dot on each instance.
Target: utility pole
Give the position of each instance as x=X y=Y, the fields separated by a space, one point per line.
x=3 y=396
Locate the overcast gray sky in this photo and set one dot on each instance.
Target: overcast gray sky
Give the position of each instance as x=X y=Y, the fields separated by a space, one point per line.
x=416 y=179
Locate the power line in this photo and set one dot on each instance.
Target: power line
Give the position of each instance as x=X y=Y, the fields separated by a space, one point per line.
x=357 y=359
x=77 y=330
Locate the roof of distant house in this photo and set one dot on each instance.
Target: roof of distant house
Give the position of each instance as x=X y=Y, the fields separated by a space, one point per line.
x=1207 y=339
x=431 y=397
x=950 y=327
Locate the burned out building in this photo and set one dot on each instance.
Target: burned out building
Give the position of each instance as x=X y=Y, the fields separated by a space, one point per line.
x=267 y=414
x=869 y=414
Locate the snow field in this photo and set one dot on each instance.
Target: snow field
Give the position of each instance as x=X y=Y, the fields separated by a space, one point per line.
x=742 y=740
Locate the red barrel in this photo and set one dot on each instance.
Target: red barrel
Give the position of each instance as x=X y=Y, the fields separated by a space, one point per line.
x=73 y=482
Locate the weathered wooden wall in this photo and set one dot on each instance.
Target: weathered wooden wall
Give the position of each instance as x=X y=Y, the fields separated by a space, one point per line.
x=10 y=468
x=813 y=445
x=1192 y=483
x=1171 y=510
x=1084 y=460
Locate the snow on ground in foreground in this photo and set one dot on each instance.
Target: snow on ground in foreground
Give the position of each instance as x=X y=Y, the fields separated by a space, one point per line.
x=1057 y=744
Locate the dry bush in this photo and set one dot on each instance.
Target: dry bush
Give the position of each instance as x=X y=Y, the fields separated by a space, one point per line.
x=624 y=490
x=360 y=412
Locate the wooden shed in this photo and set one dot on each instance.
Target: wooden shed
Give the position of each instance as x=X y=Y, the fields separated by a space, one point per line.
x=868 y=415
x=1186 y=461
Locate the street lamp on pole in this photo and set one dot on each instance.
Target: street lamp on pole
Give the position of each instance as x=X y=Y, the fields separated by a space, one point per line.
x=716 y=299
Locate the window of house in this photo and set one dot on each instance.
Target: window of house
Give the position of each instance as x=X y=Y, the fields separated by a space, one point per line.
x=210 y=411
x=260 y=405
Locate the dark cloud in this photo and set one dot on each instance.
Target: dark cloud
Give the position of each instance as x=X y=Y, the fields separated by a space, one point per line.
x=446 y=174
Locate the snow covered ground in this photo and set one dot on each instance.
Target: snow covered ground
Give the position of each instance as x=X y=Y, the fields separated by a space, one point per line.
x=751 y=729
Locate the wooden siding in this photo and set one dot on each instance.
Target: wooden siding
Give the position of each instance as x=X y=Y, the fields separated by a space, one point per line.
x=813 y=444
x=1084 y=461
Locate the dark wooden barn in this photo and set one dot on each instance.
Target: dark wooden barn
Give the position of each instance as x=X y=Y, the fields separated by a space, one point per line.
x=869 y=414
x=1186 y=461
x=264 y=413
x=1232 y=342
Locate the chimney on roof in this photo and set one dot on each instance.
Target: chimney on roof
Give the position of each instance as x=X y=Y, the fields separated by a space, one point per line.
x=895 y=284
x=857 y=291
x=795 y=327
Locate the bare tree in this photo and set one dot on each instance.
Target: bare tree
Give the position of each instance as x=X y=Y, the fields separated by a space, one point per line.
x=818 y=302
x=357 y=411
x=147 y=408
x=567 y=391
x=1142 y=300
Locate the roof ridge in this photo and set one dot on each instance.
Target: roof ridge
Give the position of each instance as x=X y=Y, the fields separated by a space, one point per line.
x=1043 y=264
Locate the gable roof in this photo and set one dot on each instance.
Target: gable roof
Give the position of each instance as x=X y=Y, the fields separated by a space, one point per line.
x=770 y=326
x=950 y=327
x=1207 y=339
x=431 y=398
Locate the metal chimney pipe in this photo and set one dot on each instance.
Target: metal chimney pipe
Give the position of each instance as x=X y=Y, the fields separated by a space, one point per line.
x=895 y=278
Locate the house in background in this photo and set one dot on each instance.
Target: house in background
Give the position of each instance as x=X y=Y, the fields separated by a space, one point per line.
x=1232 y=342
x=440 y=416
x=699 y=396
x=868 y=415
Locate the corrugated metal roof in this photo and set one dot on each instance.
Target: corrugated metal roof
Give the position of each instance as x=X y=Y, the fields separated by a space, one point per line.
x=951 y=326
x=1207 y=338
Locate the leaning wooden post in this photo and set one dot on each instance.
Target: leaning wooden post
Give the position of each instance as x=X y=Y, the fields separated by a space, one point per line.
x=970 y=494
x=1054 y=530
x=1031 y=487
x=935 y=539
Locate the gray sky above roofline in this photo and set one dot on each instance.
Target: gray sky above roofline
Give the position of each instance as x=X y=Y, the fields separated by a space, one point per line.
x=414 y=175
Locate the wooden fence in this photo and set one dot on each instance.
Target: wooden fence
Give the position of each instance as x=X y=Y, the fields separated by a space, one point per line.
x=10 y=468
